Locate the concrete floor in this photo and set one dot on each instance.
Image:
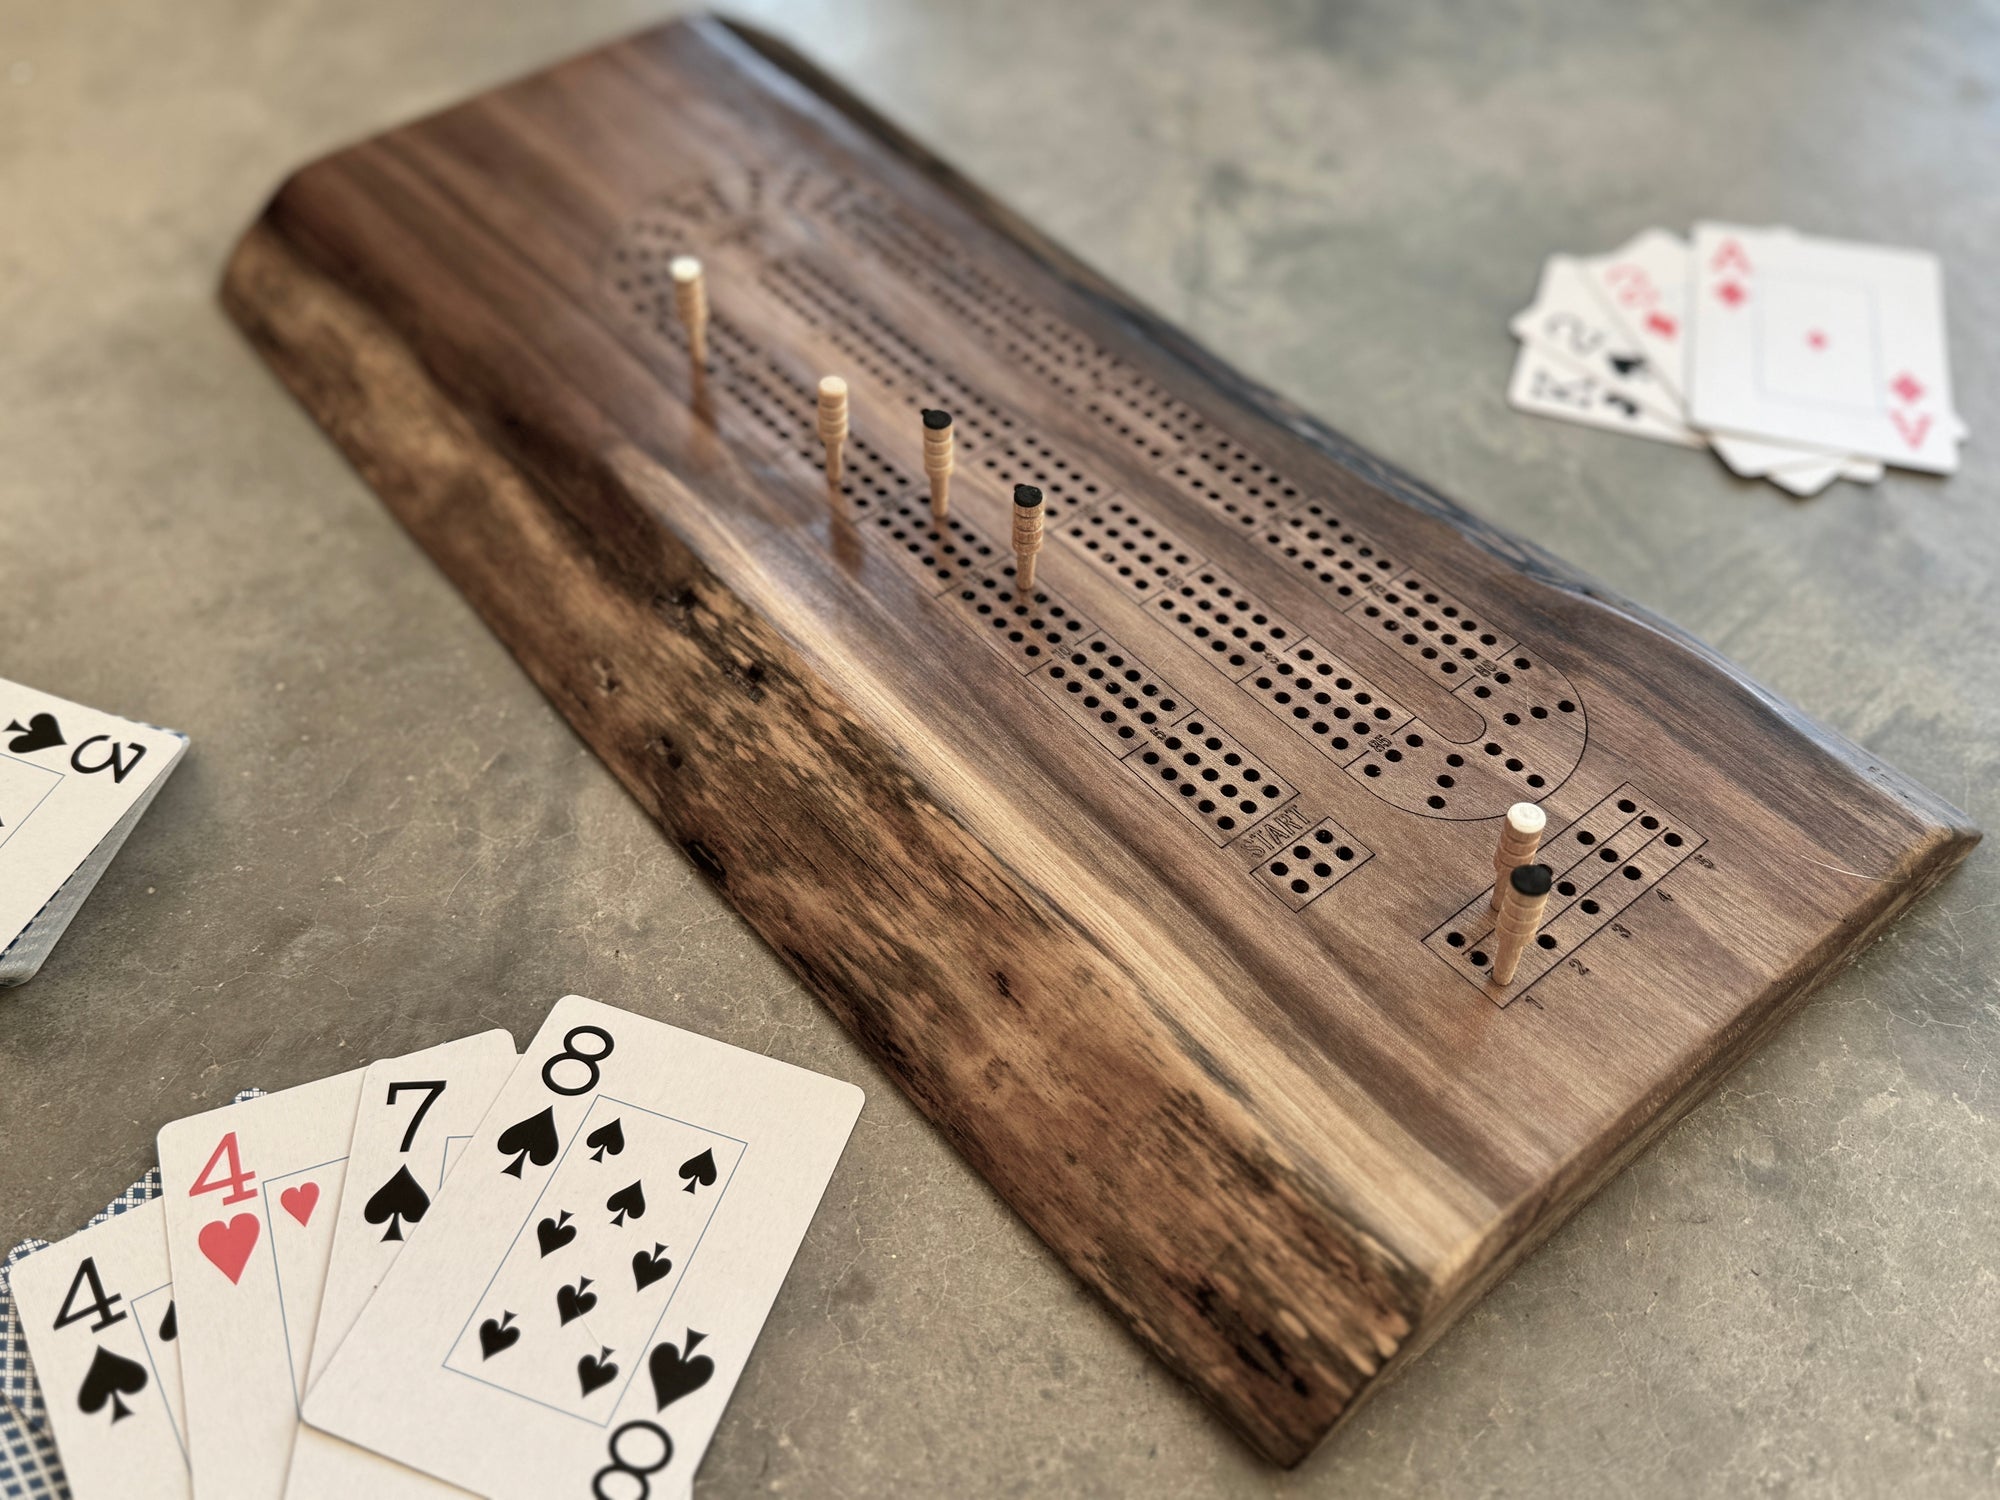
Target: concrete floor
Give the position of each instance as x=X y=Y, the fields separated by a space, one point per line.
x=384 y=837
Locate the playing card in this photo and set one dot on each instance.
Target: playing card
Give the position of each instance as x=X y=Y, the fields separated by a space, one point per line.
x=100 y=1318
x=601 y=1261
x=251 y=1194
x=1548 y=386
x=29 y=1464
x=1824 y=343
x=1570 y=319
x=415 y=1114
x=1643 y=285
x=73 y=784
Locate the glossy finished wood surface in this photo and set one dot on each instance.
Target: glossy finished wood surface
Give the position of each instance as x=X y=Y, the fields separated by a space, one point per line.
x=1167 y=892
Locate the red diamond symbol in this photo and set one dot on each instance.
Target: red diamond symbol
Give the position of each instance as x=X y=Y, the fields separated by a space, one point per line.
x=1661 y=324
x=1732 y=293
x=1816 y=339
x=1907 y=386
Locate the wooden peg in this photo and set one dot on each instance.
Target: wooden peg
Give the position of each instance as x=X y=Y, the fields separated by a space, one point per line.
x=938 y=462
x=691 y=301
x=1027 y=537
x=833 y=425
x=1520 y=837
x=1520 y=917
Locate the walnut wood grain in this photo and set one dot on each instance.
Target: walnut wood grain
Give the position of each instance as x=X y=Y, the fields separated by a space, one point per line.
x=1264 y=1102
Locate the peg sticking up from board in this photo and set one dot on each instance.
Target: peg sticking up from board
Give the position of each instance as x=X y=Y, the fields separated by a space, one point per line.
x=1028 y=510
x=938 y=462
x=833 y=425
x=1520 y=837
x=1520 y=917
x=691 y=301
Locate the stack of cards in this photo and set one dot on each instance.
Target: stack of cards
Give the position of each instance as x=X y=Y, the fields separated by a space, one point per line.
x=1796 y=359
x=73 y=784
x=595 y=1233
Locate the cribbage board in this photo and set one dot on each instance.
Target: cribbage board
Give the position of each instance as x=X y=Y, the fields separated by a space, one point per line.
x=1162 y=891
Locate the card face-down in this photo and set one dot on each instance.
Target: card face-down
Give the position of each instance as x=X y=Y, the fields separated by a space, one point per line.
x=415 y=1115
x=102 y=1325
x=73 y=781
x=597 y=1267
x=1835 y=345
x=251 y=1193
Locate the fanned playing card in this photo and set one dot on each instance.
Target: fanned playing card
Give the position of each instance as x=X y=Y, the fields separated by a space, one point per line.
x=29 y=1463
x=599 y=1264
x=100 y=1315
x=251 y=1194
x=74 y=782
x=416 y=1112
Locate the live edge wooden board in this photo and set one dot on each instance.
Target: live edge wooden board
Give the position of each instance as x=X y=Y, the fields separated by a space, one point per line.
x=1164 y=892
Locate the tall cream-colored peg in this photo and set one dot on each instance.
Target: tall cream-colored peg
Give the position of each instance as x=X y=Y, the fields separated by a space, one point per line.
x=691 y=301
x=1027 y=537
x=1520 y=917
x=1520 y=837
x=938 y=462
x=833 y=425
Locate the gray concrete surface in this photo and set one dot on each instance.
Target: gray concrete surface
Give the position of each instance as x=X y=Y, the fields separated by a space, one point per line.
x=384 y=837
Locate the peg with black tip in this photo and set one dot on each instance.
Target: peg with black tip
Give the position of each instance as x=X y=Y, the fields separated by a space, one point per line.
x=938 y=462
x=1527 y=895
x=1028 y=510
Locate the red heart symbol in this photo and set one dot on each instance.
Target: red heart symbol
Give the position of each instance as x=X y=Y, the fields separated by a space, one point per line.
x=298 y=1201
x=229 y=1245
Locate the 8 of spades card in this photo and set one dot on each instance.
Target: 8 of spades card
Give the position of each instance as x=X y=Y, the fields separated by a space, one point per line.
x=415 y=1112
x=250 y=1193
x=101 y=1322
x=73 y=783
x=585 y=1291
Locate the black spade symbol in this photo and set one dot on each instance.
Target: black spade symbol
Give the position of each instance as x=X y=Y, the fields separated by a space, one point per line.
x=699 y=1169
x=649 y=1267
x=674 y=1375
x=606 y=1140
x=532 y=1139
x=627 y=1203
x=400 y=1198
x=496 y=1334
x=111 y=1377
x=39 y=733
x=572 y=1302
x=553 y=1234
x=595 y=1370
x=170 y=1325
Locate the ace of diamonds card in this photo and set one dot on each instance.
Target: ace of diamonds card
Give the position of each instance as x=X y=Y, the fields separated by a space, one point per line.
x=598 y=1264
x=1834 y=345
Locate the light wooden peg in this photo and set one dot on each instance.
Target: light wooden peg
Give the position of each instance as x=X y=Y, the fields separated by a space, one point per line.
x=938 y=462
x=1520 y=837
x=691 y=301
x=1027 y=537
x=833 y=425
x=1520 y=917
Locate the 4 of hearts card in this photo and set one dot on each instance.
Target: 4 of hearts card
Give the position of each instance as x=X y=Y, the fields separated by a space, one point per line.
x=582 y=1299
x=73 y=783
x=250 y=1192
